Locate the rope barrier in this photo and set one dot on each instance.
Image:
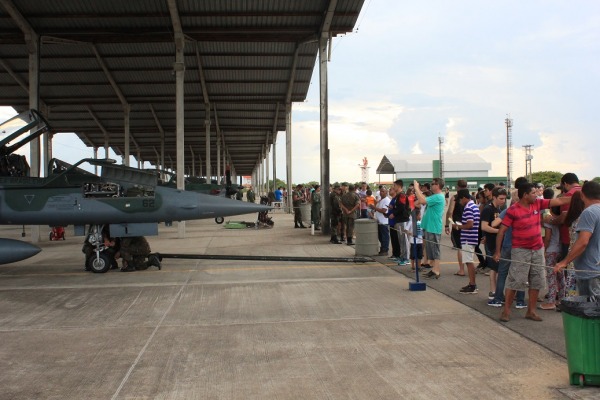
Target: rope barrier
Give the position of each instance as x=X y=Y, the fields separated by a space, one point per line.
x=500 y=259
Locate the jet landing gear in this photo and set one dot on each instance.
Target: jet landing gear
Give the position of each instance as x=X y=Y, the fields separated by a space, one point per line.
x=97 y=258
x=219 y=220
x=99 y=263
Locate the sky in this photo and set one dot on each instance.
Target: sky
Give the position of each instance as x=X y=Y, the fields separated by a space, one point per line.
x=413 y=71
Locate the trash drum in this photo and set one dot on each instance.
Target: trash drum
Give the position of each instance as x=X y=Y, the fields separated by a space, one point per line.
x=305 y=212
x=581 y=322
x=367 y=243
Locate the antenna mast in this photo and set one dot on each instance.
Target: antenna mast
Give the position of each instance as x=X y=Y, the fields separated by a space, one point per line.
x=440 y=143
x=528 y=158
x=509 y=123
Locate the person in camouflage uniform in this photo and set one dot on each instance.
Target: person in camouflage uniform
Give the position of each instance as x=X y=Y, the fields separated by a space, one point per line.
x=134 y=251
x=239 y=195
x=297 y=199
x=350 y=204
x=336 y=213
x=250 y=196
x=343 y=191
x=315 y=208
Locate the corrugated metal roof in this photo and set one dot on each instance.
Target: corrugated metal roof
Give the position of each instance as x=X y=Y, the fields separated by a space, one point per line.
x=246 y=49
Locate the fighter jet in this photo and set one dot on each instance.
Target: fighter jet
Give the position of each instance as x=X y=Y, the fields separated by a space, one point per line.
x=128 y=201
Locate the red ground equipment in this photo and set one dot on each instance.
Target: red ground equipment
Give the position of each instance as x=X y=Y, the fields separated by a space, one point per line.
x=57 y=233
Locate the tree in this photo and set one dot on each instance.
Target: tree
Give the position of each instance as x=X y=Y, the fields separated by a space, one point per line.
x=596 y=179
x=278 y=183
x=548 y=178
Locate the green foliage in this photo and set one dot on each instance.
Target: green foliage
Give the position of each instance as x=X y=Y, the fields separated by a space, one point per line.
x=548 y=178
x=278 y=183
x=596 y=179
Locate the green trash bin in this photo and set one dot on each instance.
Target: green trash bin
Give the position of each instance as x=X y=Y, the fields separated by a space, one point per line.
x=581 y=322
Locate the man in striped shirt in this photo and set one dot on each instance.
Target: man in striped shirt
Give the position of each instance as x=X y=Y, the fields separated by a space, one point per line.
x=469 y=236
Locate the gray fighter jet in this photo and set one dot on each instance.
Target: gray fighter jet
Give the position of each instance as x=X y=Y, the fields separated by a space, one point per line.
x=128 y=201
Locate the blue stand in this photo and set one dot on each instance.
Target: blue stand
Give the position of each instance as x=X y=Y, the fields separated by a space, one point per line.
x=416 y=286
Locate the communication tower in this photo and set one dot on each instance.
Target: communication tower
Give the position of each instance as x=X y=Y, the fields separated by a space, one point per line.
x=509 y=123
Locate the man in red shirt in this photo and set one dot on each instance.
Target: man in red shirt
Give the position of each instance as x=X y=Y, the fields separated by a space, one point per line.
x=570 y=185
x=527 y=269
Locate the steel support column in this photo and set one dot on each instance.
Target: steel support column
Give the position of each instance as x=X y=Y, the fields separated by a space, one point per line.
x=324 y=109
x=33 y=45
x=275 y=161
x=288 y=152
x=207 y=127
x=179 y=68
x=126 y=133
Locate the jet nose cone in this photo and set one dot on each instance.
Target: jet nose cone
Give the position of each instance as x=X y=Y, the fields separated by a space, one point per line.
x=216 y=206
x=16 y=250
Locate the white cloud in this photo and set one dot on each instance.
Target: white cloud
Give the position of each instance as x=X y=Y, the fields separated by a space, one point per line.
x=416 y=149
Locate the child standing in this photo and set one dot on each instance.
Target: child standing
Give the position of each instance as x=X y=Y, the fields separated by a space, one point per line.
x=370 y=200
x=416 y=252
x=554 y=280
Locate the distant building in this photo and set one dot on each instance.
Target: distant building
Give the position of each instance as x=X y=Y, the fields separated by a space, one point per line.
x=424 y=167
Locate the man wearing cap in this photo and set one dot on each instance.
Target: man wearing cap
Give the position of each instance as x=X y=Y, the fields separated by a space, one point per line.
x=383 y=230
x=432 y=223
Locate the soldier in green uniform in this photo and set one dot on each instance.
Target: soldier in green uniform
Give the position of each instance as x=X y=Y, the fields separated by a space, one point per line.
x=336 y=213
x=134 y=251
x=239 y=195
x=343 y=191
x=315 y=207
x=297 y=198
x=350 y=205
x=250 y=195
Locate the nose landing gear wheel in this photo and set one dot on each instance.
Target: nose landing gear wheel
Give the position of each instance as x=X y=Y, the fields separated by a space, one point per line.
x=99 y=264
x=219 y=220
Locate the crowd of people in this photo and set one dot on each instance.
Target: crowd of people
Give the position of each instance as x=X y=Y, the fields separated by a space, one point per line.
x=538 y=243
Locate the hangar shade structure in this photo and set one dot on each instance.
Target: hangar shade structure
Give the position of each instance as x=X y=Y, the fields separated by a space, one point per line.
x=424 y=167
x=110 y=71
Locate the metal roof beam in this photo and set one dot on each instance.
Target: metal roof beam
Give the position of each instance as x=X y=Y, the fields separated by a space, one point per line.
x=279 y=35
x=18 y=18
x=326 y=25
x=202 y=77
x=288 y=96
x=188 y=14
x=109 y=76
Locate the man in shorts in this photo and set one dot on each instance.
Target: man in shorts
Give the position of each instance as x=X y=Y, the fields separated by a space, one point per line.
x=469 y=236
x=528 y=268
x=454 y=213
x=432 y=223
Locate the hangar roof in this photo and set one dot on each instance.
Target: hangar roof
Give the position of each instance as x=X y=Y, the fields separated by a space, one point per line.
x=253 y=55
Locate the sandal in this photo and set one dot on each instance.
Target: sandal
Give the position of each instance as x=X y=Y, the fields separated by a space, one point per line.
x=548 y=307
x=457 y=274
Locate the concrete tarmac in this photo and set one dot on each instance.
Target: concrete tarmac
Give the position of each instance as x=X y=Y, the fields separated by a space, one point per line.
x=206 y=329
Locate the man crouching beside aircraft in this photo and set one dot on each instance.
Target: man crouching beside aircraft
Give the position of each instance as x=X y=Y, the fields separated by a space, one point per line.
x=134 y=251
